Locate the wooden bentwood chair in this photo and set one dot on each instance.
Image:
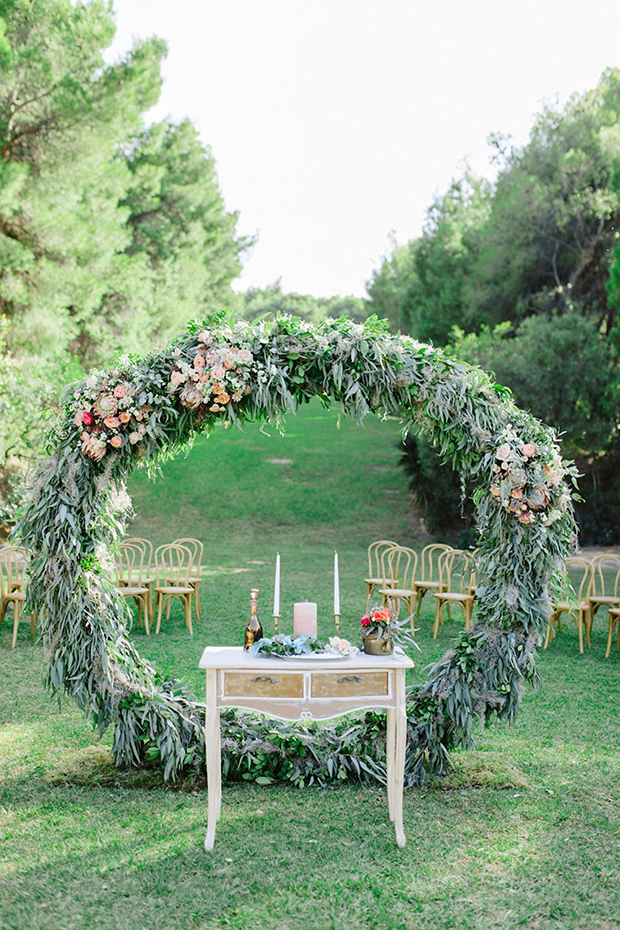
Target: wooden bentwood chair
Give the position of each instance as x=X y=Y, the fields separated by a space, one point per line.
x=614 y=617
x=457 y=585
x=131 y=574
x=578 y=609
x=399 y=565
x=13 y=562
x=174 y=570
x=148 y=579
x=429 y=571
x=375 y=570
x=605 y=589
x=197 y=550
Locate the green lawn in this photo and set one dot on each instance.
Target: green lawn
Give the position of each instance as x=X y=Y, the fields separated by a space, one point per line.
x=526 y=833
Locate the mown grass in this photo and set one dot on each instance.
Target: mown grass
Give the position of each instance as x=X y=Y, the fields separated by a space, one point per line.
x=524 y=833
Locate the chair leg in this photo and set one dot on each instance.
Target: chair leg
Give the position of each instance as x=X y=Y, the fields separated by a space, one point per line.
x=610 y=637
x=550 y=630
x=32 y=624
x=188 y=613
x=618 y=640
x=16 y=612
x=197 y=599
x=3 y=606
x=580 y=628
x=168 y=608
x=438 y=613
x=418 y=601
x=159 y=602
x=587 y=627
x=145 y=610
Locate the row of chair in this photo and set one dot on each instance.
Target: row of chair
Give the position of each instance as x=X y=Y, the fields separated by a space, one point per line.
x=596 y=584
x=154 y=578
x=398 y=574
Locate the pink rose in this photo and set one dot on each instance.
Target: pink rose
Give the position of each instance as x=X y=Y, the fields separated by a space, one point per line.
x=525 y=517
x=111 y=422
x=176 y=351
x=116 y=441
x=365 y=621
x=119 y=390
x=504 y=452
x=245 y=355
x=87 y=418
x=205 y=337
x=199 y=361
x=217 y=372
x=529 y=449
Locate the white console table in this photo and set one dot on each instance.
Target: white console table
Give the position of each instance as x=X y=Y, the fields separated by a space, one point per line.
x=311 y=688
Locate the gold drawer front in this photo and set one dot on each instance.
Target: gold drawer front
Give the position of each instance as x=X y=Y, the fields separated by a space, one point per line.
x=252 y=684
x=352 y=684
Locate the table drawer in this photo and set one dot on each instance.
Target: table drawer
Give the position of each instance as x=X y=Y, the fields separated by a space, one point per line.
x=252 y=684
x=352 y=684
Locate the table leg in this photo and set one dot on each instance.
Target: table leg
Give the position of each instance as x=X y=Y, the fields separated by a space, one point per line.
x=399 y=764
x=214 y=760
x=390 y=759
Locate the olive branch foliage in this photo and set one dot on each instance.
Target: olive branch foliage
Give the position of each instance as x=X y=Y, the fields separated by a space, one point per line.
x=74 y=518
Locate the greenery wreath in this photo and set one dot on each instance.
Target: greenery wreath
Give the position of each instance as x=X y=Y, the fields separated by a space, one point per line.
x=225 y=372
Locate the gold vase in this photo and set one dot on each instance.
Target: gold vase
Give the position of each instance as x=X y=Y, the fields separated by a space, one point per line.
x=374 y=646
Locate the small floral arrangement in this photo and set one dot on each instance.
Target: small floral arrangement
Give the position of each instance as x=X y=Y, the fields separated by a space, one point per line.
x=384 y=622
x=110 y=413
x=527 y=481
x=341 y=647
x=216 y=375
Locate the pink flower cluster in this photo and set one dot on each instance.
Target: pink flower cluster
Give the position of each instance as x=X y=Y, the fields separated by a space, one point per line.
x=521 y=482
x=109 y=417
x=217 y=376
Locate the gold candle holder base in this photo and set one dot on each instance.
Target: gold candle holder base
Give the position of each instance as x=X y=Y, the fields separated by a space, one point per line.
x=337 y=622
x=276 y=625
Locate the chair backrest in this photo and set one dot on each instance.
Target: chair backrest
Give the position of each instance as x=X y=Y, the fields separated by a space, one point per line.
x=147 y=547
x=583 y=573
x=13 y=561
x=130 y=562
x=606 y=578
x=196 y=548
x=429 y=560
x=456 y=571
x=399 y=563
x=375 y=551
x=174 y=566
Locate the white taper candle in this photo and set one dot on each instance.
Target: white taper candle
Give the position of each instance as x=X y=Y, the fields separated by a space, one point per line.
x=336 y=587
x=276 y=589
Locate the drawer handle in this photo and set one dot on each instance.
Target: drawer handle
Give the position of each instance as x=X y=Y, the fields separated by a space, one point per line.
x=273 y=681
x=349 y=678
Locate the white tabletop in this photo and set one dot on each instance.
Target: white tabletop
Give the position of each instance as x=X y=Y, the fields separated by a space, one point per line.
x=234 y=657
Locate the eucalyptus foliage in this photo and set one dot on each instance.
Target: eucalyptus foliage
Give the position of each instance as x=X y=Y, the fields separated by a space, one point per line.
x=74 y=519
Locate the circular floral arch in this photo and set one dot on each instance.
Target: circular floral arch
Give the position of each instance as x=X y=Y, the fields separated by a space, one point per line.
x=146 y=409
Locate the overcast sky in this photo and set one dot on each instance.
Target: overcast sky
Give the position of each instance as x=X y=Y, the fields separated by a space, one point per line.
x=336 y=121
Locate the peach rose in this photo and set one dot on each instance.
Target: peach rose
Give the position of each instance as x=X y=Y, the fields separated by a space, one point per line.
x=217 y=372
x=504 y=452
x=111 y=422
x=214 y=408
x=205 y=337
x=223 y=398
x=228 y=365
x=124 y=417
x=120 y=390
x=245 y=355
x=116 y=441
x=199 y=361
x=525 y=517
x=134 y=438
x=495 y=491
x=517 y=493
x=529 y=449
x=177 y=378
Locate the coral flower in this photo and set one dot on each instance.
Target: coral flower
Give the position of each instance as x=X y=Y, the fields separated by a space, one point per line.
x=111 y=422
x=214 y=408
x=124 y=417
x=116 y=441
x=223 y=398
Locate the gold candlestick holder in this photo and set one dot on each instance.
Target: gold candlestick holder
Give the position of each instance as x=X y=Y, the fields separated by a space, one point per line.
x=276 y=625
x=337 y=622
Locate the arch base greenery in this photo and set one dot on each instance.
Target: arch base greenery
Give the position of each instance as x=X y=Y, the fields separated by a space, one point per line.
x=223 y=372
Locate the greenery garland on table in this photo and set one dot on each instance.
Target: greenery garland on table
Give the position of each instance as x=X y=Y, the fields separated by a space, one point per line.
x=222 y=372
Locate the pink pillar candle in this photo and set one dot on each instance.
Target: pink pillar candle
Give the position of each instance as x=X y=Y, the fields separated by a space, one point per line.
x=304 y=619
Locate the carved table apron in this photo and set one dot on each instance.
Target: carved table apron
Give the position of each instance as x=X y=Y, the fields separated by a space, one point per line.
x=311 y=688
